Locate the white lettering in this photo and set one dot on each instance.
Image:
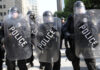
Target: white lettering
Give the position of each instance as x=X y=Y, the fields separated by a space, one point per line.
x=21 y=41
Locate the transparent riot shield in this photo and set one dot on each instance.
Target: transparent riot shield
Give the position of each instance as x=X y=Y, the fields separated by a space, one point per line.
x=47 y=41
x=17 y=34
x=86 y=28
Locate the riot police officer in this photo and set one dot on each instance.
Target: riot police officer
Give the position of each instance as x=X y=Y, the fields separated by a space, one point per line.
x=78 y=43
x=17 y=34
x=31 y=16
x=48 y=42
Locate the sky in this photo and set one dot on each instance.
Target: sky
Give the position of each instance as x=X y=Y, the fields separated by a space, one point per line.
x=47 y=5
x=63 y=4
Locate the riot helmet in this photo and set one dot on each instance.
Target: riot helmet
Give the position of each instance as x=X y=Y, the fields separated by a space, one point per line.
x=79 y=7
x=14 y=12
x=14 y=9
x=47 y=17
x=31 y=14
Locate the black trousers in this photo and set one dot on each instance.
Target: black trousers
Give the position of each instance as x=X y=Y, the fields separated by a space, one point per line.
x=30 y=60
x=1 y=57
x=91 y=64
x=21 y=64
x=57 y=64
x=48 y=66
x=1 y=63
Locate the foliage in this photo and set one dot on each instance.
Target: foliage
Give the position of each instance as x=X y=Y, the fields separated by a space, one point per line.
x=90 y=4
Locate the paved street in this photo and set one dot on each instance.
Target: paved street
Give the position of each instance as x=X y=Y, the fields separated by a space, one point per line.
x=65 y=64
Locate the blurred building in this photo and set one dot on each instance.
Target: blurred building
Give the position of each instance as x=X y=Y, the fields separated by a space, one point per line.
x=27 y=5
x=59 y=5
x=23 y=5
x=4 y=7
x=35 y=6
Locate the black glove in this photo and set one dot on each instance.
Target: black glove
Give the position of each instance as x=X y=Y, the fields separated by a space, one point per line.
x=95 y=45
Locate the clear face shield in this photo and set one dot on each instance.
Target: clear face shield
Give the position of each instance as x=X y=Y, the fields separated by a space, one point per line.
x=79 y=10
x=48 y=19
x=13 y=14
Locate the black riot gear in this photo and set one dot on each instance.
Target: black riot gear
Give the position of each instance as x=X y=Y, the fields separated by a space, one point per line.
x=85 y=37
x=71 y=51
x=47 y=41
x=48 y=33
x=18 y=32
x=17 y=39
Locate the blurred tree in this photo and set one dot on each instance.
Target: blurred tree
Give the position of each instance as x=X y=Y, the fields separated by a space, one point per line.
x=60 y=14
x=90 y=4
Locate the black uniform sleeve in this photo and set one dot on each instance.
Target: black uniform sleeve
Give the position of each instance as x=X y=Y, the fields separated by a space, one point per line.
x=2 y=33
x=1 y=40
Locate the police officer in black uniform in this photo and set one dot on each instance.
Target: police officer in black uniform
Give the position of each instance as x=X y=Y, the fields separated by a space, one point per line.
x=31 y=16
x=62 y=36
x=70 y=32
x=17 y=37
x=49 y=33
